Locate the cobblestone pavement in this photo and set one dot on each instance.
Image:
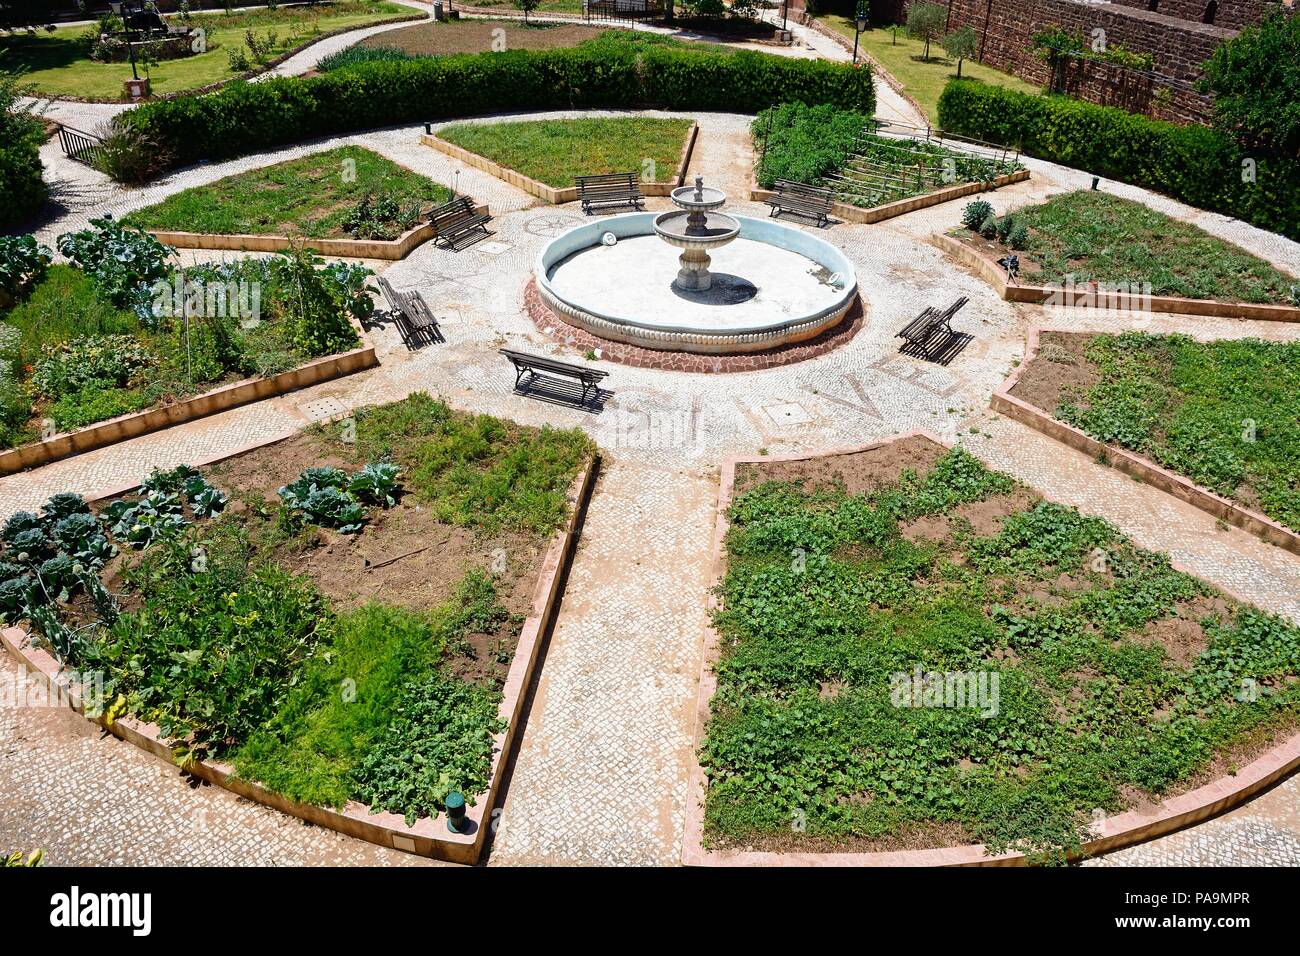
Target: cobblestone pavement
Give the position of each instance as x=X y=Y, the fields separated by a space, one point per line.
x=601 y=771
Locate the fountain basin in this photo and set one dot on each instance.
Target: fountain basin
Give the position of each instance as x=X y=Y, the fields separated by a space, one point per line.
x=772 y=285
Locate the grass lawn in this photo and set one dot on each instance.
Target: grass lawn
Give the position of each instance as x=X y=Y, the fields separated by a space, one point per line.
x=923 y=80
x=58 y=63
x=1096 y=236
x=948 y=658
x=546 y=6
x=1222 y=413
x=555 y=151
x=311 y=196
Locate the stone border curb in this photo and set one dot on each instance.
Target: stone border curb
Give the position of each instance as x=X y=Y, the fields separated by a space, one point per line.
x=557 y=195
x=429 y=836
x=1131 y=463
x=851 y=213
x=1082 y=298
x=1114 y=832
x=209 y=403
x=389 y=249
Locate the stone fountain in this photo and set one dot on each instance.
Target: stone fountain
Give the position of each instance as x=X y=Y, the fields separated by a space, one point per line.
x=695 y=229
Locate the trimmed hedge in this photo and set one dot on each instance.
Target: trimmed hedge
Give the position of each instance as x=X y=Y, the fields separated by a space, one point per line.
x=1197 y=165
x=22 y=184
x=248 y=117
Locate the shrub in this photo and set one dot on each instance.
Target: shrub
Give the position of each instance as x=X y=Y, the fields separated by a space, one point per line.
x=21 y=172
x=128 y=153
x=1196 y=165
x=312 y=303
x=354 y=55
x=974 y=213
x=249 y=117
x=1255 y=79
x=1018 y=236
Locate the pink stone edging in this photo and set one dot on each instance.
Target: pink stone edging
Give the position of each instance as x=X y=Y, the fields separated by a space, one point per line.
x=851 y=213
x=1131 y=463
x=557 y=195
x=1083 y=297
x=1121 y=830
x=209 y=403
x=429 y=836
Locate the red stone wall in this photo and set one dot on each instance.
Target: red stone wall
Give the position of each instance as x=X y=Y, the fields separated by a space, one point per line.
x=1177 y=47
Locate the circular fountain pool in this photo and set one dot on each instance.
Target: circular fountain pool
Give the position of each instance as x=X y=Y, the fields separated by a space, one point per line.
x=770 y=285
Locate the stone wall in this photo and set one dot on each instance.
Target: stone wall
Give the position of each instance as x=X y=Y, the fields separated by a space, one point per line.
x=1178 y=47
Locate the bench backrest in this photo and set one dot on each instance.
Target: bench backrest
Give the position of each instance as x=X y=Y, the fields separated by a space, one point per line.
x=552 y=365
x=804 y=191
x=606 y=179
x=448 y=213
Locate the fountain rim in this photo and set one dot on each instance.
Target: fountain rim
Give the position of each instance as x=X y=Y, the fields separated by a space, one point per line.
x=712 y=240
x=633 y=225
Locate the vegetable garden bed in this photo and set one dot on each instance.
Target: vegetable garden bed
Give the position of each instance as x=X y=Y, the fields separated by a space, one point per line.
x=1162 y=407
x=861 y=590
x=1086 y=238
x=340 y=624
x=121 y=335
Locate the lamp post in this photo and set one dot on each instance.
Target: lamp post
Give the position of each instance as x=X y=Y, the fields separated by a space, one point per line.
x=785 y=9
x=860 y=25
x=116 y=6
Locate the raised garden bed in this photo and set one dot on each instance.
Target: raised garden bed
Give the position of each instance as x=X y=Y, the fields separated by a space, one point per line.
x=874 y=177
x=122 y=343
x=376 y=589
x=1075 y=693
x=542 y=157
x=1211 y=422
x=1094 y=250
x=345 y=201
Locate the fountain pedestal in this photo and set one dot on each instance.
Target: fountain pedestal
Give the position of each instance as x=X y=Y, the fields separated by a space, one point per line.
x=695 y=231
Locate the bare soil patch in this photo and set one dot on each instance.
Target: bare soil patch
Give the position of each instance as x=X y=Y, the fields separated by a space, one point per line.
x=1059 y=372
x=478 y=36
x=857 y=472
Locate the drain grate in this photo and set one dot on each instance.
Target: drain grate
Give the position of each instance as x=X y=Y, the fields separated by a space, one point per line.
x=320 y=409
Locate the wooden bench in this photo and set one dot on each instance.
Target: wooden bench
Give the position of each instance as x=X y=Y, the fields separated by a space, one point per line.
x=456 y=224
x=609 y=189
x=537 y=367
x=930 y=333
x=811 y=202
x=415 y=320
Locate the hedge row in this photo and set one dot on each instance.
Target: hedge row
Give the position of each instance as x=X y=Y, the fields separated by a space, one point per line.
x=1194 y=164
x=248 y=117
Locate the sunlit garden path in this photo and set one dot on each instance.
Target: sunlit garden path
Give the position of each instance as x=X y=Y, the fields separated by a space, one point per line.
x=600 y=775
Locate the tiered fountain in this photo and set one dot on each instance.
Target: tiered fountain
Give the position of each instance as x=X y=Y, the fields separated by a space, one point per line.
x=741 y=284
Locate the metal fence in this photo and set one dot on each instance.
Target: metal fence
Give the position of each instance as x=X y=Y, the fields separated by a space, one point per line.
x=80 y=146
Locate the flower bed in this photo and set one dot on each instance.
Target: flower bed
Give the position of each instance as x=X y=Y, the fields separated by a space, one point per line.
x=340 y=624
x=916 y=652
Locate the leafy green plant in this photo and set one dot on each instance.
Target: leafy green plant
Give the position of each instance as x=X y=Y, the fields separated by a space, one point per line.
x=21 y=170
x=106 y=361
x=23 y=262
x=376 y=483
x=120 y=260
x=974 y=213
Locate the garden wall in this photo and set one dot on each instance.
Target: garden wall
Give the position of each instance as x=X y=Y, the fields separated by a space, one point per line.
x=1112 y=833
x=428 y=836
x=1177 y=46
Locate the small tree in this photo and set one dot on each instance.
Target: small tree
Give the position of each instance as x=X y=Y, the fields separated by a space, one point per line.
x=925 y=21
x=528 y=6
x=1255 y=79
x=960 y=44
